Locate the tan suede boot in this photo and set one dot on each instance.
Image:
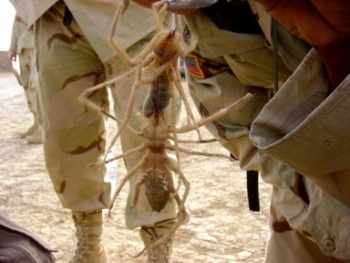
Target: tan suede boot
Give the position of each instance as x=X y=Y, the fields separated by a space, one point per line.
x=31 y=130
x=162 y=252
x=89 y=228
x=35 y=138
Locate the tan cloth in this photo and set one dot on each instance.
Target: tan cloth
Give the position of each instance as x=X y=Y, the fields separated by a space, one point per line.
x=74 y=134
x=95 y=18
x=293 y=247
x=30 y=81
x=22 y=42
x=310 y=131
x=241 y=63
x=21 y=37
x=306 y=129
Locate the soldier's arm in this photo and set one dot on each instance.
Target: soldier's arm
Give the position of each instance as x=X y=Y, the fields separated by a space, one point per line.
x=12 y=54
x=323 y=24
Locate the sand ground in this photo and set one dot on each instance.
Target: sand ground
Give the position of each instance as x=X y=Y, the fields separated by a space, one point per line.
x=221 y=229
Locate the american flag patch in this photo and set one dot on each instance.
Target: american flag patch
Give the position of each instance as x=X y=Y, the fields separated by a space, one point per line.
x=192 y=65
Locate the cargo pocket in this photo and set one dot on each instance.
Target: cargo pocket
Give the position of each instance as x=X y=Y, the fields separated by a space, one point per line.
x=331 y=229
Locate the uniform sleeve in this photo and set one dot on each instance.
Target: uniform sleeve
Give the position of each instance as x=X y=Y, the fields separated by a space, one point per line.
x=15 y=34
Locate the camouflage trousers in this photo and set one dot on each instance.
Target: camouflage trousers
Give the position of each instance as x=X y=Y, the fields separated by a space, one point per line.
x=74 y=134
x=29 y=80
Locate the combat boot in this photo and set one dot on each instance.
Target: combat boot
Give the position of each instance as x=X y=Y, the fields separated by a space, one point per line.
x=162 y=252
x=35 y=138
x=31 y=130
x=89 y=229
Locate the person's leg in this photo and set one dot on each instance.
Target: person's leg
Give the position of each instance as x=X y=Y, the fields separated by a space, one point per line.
x=33 y=88
x=74 y=135
x=25 y=64
x=153 y=224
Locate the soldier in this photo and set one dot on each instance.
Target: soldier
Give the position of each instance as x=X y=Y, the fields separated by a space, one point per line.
x=299 y=139
x=22 y=45
x=74 y=54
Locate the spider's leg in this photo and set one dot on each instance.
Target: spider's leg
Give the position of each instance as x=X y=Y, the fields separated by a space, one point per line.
x=159 y=12
x=185 y=101
x=125 y=179
x=129 y=108
x=215 y=116
x=182 y=214
x=193 y=152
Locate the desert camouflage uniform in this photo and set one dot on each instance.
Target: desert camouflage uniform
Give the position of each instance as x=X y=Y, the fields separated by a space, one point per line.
x=22 y=42
x=226 y=63
x=73 y=56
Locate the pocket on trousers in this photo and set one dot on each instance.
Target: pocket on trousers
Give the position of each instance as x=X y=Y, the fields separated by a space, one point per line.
x=331 y=229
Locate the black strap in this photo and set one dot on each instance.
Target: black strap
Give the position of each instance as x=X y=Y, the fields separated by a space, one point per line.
x=253 y=190
x=68 y=17
x=253 y=176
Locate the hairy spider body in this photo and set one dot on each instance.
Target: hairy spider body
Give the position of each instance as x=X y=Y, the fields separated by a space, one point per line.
x=157 y=188
x=156 y=172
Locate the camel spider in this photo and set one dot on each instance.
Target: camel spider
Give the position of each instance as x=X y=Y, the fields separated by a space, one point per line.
x=156 y=64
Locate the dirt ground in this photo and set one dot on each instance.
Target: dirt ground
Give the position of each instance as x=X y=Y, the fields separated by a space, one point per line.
x=221 y=229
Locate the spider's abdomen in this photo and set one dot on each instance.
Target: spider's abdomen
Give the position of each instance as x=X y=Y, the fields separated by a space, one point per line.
x=156 y=189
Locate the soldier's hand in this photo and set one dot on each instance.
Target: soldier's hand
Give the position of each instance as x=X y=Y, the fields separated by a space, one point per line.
x=12 y=55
